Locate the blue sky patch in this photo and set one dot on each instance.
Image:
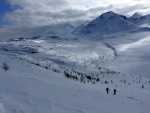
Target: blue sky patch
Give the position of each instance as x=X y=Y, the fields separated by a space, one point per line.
x=5 y=7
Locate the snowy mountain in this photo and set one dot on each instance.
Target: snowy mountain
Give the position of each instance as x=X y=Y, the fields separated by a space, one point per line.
x=136 y=15
x=142 y=21
x=107 y=23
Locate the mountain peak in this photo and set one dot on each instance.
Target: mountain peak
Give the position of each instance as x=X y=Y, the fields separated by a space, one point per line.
x=108 y=14
x=136 y=15
x=68 y=25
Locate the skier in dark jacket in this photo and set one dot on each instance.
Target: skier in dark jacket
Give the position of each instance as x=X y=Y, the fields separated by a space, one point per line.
x=115 y=91
x=107 y=90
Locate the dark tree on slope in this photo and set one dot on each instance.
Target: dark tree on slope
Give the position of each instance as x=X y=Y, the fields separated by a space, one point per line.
x=5 y=67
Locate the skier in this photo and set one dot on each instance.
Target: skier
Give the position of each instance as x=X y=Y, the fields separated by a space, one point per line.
x=115 y=91
x=107 y=90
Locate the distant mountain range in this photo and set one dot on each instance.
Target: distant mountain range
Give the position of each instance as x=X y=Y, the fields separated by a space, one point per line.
x=111 y=22
x=142 y=21
x=107 y=23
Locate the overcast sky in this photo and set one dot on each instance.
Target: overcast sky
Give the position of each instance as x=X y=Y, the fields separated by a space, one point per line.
x=45 y=12
x=29 y=17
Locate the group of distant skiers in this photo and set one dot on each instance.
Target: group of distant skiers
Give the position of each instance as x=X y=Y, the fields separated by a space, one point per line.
x=107 y=90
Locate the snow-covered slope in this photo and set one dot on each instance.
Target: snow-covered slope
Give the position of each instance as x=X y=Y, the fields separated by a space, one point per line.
x=81 y=26
x=107 y=23
x=72 y=53
x=28 y=88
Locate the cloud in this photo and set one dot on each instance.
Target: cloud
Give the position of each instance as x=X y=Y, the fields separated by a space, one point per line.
x=46 y=12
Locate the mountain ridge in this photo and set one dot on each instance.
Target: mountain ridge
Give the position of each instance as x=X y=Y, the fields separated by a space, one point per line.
x=107 y=23
x=111 y=22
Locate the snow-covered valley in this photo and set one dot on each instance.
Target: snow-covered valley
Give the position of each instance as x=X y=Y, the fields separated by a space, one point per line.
x=69 y=72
